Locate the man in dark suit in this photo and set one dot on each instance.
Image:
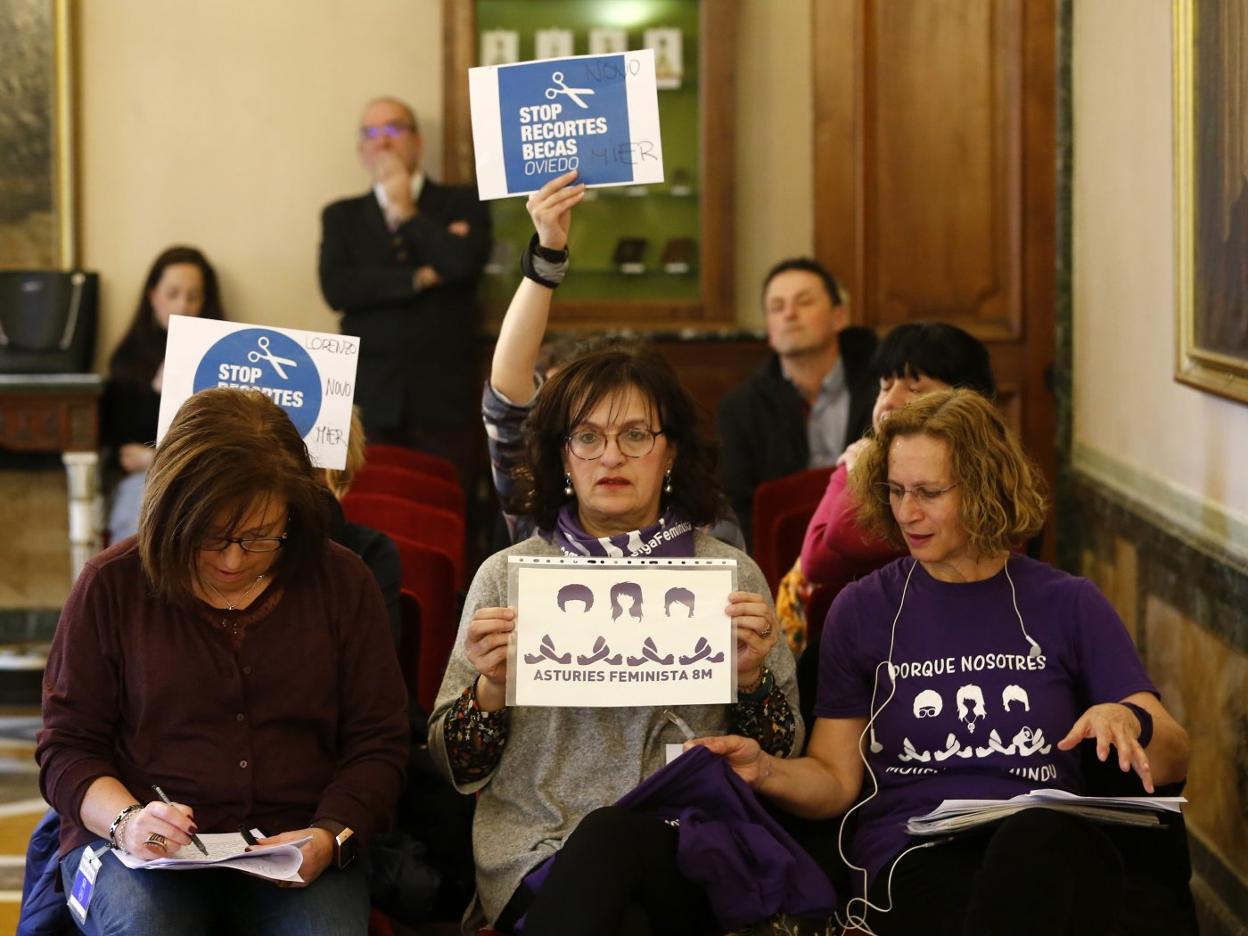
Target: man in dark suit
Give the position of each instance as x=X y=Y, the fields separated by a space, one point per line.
x=401 y=263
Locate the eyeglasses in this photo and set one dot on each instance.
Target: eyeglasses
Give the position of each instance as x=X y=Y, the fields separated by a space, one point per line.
x=589 y=444
x=390 y=130
x=890 y=493
x=255 y=544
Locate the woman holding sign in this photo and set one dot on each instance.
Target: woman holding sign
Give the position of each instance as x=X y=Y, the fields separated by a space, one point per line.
x=618 y=466
x=966 y=671
x=235 y=659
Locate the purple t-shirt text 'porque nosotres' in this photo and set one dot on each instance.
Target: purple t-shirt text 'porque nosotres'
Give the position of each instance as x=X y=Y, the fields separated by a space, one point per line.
x=975 y=715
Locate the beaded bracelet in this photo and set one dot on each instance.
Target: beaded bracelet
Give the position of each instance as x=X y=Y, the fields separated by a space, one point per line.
x=759 y=689
x=119 y=824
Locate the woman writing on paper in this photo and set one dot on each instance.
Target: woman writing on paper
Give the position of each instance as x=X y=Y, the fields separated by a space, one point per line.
x=235 y=658
x=616 y=458
x=964 y=671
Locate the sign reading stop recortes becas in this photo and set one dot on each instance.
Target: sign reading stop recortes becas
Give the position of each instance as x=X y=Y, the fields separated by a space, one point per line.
x=534 y=121
x=311 y=375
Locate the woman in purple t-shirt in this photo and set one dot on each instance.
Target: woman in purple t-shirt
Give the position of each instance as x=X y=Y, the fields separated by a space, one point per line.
x=962 y=671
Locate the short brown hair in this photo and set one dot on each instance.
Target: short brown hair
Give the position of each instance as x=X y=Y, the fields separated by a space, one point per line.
x=224 y=449
x=1000 y=489
x=580 y=385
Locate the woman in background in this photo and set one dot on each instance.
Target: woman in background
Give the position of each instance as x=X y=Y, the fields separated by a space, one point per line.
x=181 y=281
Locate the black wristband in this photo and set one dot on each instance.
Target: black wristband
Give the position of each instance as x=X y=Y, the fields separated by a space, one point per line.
x=550 y=256
x=546 y=253
x=1146 y=722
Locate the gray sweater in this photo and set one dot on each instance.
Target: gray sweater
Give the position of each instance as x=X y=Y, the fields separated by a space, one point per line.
x=561 y=763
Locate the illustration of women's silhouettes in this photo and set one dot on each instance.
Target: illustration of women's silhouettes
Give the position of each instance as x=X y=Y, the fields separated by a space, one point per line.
x=575 y=592
x=630 y=590
x=678 y=595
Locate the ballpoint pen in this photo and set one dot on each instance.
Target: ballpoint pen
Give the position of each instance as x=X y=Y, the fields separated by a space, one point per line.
x=194 y=838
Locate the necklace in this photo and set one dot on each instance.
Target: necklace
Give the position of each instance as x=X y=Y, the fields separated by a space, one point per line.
x=226 y=624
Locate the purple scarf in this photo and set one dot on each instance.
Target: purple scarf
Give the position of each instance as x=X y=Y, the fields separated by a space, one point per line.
x=671 y=536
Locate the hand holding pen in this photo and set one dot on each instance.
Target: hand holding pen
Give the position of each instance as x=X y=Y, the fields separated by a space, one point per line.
x=181 y=819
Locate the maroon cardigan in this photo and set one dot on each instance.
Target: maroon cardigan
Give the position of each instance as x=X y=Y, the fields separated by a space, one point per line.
x=306 y=719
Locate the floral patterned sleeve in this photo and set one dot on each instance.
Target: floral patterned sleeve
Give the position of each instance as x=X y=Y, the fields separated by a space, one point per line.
x=768 y=720
x=474 y=739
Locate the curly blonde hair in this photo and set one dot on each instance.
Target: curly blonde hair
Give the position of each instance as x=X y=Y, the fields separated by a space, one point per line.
x=1001 y=491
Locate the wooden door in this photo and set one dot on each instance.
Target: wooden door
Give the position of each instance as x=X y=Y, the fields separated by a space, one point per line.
x=935 y=178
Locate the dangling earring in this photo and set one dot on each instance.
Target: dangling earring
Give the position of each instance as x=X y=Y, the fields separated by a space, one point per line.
x=567 y=485
x=667 y=481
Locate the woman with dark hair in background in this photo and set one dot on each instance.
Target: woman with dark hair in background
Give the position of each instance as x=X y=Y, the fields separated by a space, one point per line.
x=181 y=281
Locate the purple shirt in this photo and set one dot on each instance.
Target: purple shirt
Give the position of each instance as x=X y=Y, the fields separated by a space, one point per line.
x=974 y=716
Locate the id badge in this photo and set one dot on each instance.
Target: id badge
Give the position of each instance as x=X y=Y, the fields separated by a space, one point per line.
x=84 y=884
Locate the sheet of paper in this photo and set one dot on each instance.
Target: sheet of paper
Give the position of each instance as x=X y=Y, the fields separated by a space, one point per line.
x=228 y=850
x=597 y=114
x=619 y=632
x=311 y=375
x=953 y=815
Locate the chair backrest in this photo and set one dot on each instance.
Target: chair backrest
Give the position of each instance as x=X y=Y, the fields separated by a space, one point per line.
x=412 y=460
x=409 y=638
x=411 y=485
x=395 y=516
x=427 y=577
x=779 y=500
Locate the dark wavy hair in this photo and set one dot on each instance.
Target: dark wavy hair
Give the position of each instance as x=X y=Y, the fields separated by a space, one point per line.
x=142 y=348
x=937 y=350
x=580 y=385
x=225 y=449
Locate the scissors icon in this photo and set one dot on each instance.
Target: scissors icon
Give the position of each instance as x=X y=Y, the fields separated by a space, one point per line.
x=266 y=354
x=573 y=93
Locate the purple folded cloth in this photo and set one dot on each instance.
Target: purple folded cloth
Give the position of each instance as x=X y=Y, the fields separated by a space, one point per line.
x=748 y=865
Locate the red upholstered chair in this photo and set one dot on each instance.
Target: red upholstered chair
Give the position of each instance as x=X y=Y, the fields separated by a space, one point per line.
x=428 y=580
x=409 y=638
x=411 y=460
x=779 y=502
x=396 y=516
x=412 y=485
x=379 y=924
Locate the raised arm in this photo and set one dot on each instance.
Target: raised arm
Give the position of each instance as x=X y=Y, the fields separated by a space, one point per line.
x=524 y=325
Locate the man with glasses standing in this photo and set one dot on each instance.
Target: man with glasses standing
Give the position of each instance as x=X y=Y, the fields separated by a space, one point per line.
x=401 y=263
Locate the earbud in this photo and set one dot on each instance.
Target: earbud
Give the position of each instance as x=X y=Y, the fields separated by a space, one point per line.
x=876 y=747
x=1035 y=650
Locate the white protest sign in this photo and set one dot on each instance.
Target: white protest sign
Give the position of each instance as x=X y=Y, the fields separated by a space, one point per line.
x=311 y=375
x=597 y=114
x=618 y=632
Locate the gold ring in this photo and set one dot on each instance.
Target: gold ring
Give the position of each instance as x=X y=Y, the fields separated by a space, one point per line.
x=156 y=840
x=765 y=632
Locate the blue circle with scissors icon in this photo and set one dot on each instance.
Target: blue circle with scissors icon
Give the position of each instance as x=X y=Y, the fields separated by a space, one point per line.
x=268 y=362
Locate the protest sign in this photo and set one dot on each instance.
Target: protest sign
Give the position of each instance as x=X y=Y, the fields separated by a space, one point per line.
x=597 y=114
x=620 y=632
x=311 y=375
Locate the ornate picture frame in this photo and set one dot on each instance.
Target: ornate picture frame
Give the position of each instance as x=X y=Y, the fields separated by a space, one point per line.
x=1211 y=195
x=37 y=191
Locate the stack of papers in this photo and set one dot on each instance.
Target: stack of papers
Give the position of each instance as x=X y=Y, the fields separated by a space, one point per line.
x=956 y=815
x=228 y=850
